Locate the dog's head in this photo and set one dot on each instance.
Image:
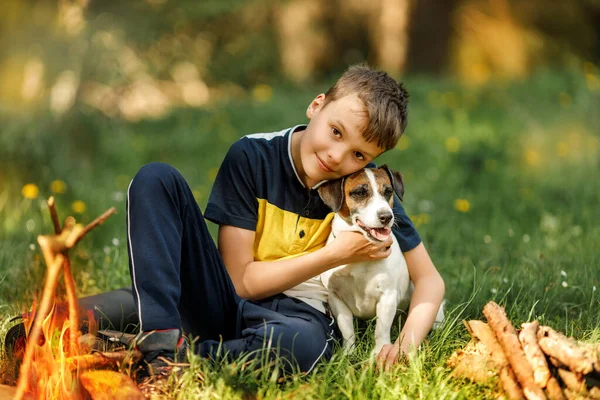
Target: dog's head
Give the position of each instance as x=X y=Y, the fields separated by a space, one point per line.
x=365 y=199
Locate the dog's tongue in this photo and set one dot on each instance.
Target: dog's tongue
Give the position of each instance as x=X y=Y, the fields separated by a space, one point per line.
x=380 y=233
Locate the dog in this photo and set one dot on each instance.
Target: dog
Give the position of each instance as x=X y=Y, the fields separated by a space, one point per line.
x=363 y=202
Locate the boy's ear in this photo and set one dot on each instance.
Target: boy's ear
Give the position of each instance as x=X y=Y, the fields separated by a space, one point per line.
x=315 y=105
x=397 y=181
x=332 y=194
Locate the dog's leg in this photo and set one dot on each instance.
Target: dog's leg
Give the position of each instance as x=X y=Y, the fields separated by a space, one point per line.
x=386 y=311
x=345 y=321
x=439 y=318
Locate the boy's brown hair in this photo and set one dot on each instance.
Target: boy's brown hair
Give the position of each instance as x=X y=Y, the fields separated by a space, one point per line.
x=385 y=102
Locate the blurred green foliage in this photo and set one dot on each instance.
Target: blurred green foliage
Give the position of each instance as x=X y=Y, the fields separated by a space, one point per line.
x=500 y=180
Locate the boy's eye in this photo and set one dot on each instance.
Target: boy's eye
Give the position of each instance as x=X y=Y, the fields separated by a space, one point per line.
x=359 y=155
x=336 y=132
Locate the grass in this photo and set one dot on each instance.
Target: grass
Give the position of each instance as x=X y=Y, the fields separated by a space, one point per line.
x=501 y=181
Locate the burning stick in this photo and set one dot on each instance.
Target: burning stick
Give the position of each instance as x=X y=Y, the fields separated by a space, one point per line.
x=54 y=215
x=54 y=250
x=533 y=352
x=36 y=329
x=99 y=360
x=69 y=285
x=507 y=336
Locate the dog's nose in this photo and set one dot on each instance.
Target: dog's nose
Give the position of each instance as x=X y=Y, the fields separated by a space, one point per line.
x=384 y=217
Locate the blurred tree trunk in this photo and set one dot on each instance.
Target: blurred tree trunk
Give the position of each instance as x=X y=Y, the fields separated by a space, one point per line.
x=390 y=35
x=430 y=35
x=301 y=42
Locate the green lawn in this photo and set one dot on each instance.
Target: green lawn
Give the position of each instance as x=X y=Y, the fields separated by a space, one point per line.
x=502 y=182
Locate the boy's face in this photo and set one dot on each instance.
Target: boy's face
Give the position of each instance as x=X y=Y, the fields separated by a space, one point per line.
x=332 y=145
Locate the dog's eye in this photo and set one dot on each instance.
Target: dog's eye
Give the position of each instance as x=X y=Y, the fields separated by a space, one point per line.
x=388 y=192
x=359 y=193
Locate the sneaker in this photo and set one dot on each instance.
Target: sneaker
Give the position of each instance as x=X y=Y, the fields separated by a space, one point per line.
x=162 y=350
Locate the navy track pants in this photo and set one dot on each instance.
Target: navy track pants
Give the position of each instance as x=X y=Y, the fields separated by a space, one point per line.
x=179 y=281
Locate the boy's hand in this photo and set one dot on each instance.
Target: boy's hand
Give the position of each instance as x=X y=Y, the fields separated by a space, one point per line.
x=353 y=247
x=388 y=356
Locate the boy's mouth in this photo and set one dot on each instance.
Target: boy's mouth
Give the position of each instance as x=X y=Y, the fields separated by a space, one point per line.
x=322 y=165
x=378 y=234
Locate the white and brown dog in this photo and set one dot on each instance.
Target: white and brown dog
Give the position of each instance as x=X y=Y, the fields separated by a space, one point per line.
x=363 y=202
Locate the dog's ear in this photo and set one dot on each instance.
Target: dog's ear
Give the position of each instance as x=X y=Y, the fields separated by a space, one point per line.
x=332 y=193
x=397 y=181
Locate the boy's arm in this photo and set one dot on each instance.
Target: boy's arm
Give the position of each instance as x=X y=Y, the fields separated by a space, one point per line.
x=256 y=280
x=424 y=305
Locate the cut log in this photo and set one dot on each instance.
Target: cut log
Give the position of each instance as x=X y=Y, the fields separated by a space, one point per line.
x=554 y=390
x=577 y=358
x=573 y=382
x=534 y=354
x=473 y=362
x=508 y=380
x=507 y=336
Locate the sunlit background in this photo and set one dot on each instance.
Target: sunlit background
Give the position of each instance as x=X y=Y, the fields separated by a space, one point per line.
x=500 y=158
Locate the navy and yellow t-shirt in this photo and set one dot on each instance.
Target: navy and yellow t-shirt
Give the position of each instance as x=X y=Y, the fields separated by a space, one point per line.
x=257 y=188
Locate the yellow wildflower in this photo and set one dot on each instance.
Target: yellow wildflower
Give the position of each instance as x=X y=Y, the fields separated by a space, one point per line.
x=58 y=186
x=453 y=144
x=262 y=93
x=420 y=219
x=532 y=157
x=78 y=207
x=562 y=148
x=403 y=143
x=462 y=205
x=30 y=191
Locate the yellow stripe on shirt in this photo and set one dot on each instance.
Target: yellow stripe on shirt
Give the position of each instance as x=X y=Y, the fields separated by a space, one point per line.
x=279 y=233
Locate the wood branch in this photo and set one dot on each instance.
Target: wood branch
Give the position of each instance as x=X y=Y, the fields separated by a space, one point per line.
x=102 y=360
x=54 y=266
x=507 y=336
x=73 y=307
x=69 y=285
x=566 y=351
x=508 y=380
x=54 y=215
x=534 y=354
x=98 y=221
x=554 y=390
x=54 y=249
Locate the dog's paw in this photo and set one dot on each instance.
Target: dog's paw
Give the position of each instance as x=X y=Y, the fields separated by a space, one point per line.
x=349 y=347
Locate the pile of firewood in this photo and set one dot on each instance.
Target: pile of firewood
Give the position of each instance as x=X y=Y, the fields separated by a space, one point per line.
x=535 y=363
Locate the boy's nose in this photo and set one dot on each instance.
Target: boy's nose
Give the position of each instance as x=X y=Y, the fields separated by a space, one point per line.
x=334 y=157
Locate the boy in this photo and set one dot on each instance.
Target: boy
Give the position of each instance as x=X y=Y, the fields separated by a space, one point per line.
x=272 y=231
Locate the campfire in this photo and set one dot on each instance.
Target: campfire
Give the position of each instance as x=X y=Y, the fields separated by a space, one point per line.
x=535 y=363
x=58 y=362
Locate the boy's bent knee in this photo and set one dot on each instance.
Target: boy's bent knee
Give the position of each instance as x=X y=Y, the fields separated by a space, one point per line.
x=306 y=342
x=153 y=174
x=154 y=171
